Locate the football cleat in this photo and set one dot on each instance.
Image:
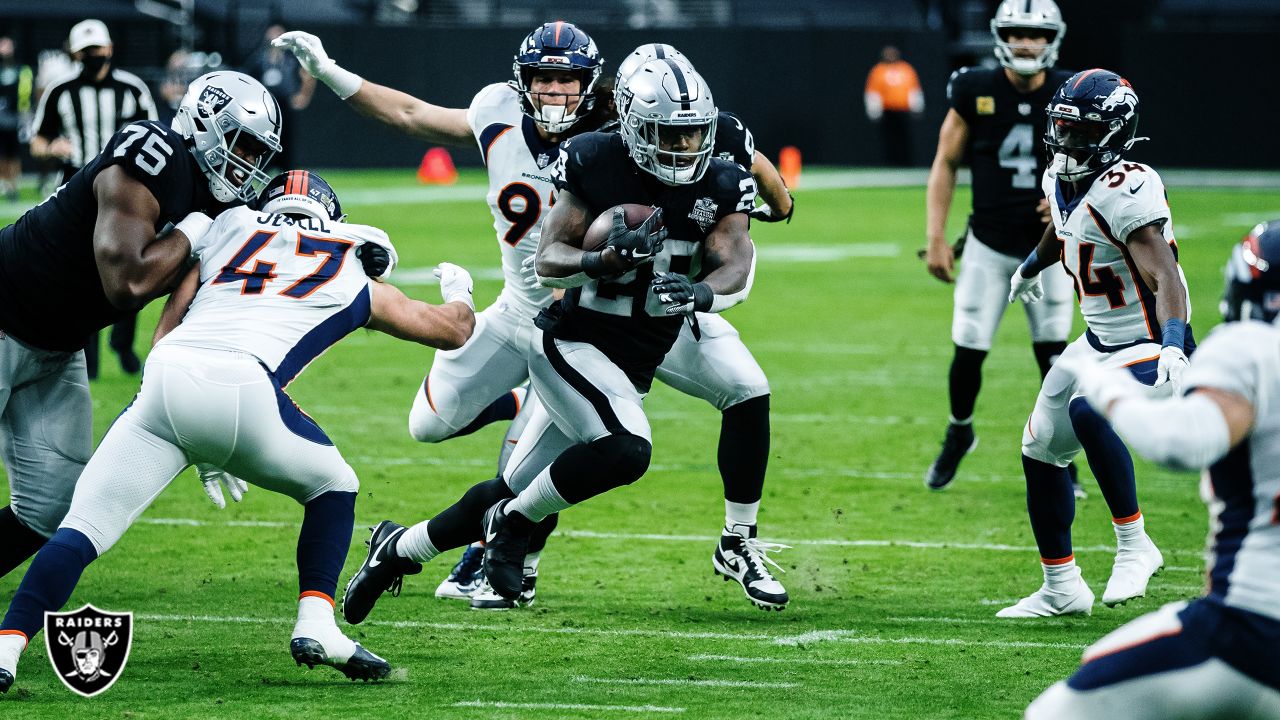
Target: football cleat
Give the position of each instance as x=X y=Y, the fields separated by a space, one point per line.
x=466 y=577
x=1075 y=598
x=6 y=680
x=959 y=441
x=506 y=542
x=382 y=571
x=745 y=559
x=1131 y=571
x=360 y=665
x=487 y=599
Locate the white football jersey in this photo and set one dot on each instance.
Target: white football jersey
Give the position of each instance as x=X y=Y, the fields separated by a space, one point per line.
x=1243 y=488
x=520 y=189
x=1094 y=227
x=279 y=289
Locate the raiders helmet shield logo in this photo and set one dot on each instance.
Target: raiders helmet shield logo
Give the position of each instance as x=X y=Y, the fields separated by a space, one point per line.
x=213 y=99
x=88 y=647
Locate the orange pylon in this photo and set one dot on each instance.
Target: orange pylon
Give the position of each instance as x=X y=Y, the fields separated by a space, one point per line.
x=789 y=166
x=437 y=168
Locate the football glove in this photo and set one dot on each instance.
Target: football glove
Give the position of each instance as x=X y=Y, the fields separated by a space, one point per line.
x=1026 y=289
x=680 y=295
x=1173 y=363
x=455 y=284
x=215 y=478
x=375 y=259
x=638 y=245
x=311 y=55
x=766 y=213
x=528 y=273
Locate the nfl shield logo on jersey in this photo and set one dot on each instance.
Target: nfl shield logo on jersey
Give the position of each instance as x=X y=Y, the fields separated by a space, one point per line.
x=704 y=213
x=543 y=159
x=88 y=647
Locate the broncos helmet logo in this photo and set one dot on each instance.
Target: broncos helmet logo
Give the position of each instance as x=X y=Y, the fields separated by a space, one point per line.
x=1122 y=96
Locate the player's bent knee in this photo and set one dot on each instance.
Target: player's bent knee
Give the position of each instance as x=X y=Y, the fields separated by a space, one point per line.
x=426 y=426
x=43 y=519
x=482 y=496
x=743 y=392
x=626 y=457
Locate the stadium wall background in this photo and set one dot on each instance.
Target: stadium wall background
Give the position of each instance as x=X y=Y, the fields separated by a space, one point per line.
x=1208 y=99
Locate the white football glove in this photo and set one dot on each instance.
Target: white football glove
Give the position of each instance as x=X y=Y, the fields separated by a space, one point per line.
x=1099 y=384
x=1026 y=289
x=215 y=478
x=311 y=55
x=455 y=284
x=1173 y=363
x=528 y=275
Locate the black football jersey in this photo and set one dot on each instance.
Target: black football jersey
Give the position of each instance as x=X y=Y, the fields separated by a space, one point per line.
x=51 y=295
x=621 y=316
x=733 y=140
x=1006 y=154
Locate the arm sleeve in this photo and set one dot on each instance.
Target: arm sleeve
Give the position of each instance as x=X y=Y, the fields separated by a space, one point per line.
x=1185 y=433
x=960 y=93
x=1146 y=206
x=480 y=113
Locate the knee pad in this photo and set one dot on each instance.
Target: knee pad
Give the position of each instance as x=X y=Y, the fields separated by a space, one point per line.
x=1037 y=448
x=625 y=457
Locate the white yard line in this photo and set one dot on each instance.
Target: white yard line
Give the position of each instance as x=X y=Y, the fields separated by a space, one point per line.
x=658 y=537
x=1049 y=622
x=567 y=706
x=851 y=636
x=685 y=682
x=789 y=660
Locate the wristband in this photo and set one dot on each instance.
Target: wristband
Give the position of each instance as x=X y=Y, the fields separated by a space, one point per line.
x=703 y=297
x=194 y=226
x=1174 y=333
x=1032 y=260
x=593 y=264
x=342 y=82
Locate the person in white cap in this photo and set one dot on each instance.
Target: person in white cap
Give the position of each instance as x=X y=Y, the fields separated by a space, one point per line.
x=74 y=122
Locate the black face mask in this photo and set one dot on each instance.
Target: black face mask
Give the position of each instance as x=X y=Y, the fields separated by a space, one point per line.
x=93 y=65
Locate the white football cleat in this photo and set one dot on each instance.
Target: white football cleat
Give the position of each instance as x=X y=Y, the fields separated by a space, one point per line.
x=1075 y=598
x=1133 y=568
x=11 y=647
x=318 y=643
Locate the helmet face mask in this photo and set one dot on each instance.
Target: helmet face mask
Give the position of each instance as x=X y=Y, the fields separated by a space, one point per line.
x=669 y=125
x=232 y=127
x=1017 y=29
x=557 y=46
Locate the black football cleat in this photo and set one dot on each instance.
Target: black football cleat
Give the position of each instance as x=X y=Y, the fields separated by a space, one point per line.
x=6 y=680
x=745 y=559
x=362 y=665
x=960 y=441
x=382 y=571
x=506 y=542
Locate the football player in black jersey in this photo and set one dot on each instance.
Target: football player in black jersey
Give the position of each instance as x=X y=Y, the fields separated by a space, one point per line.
x=995 y=119
x=95 y=250
x=598 y=347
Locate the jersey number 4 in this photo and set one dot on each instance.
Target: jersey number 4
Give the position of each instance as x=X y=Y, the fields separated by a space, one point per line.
x=255 y=278
x=1018 y=153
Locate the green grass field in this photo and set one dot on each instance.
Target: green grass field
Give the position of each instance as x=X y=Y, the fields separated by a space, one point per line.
x=894 y=589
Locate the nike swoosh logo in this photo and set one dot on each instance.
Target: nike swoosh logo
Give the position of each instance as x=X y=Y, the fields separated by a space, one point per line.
x=489 y=536
x=1134 y=190
x=373 y=559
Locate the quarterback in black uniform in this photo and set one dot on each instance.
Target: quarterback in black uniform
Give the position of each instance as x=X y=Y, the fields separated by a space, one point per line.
x=996 y=118
x=598 y=347
x=95 y=250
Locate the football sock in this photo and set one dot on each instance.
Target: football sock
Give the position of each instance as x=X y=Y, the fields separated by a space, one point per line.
x=323 y=541
x=582 y=472
x=315 y=621
x=1060 y=573
x=1130 y=530
x=17 y=541
x=965 y=381
x=1108 y=457
x=538 y=540
x=49 y=581
x=1046 y=353
x=415 y=543
x=743 y=453
x=504 y=408
x=460 y=524
x=740 y=513
x=540 y=500
x=1051 y=504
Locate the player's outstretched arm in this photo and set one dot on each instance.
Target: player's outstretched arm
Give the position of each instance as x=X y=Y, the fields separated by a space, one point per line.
x=773 y=190
x=388 y=106
x=941 y=187
x=175 y=308
x=445 y=327
x=1159 y=269
x=134 y=263
x=560 y=261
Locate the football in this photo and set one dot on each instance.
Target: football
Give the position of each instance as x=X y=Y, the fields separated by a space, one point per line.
x=598 y=232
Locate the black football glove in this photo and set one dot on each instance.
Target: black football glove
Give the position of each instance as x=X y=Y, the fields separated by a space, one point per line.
x=680 y=295
x=374 y=258
x=766 y=213
x=642 y=243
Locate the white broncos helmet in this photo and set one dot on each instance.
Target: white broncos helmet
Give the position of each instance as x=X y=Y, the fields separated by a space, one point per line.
x=669 y=99
x=222 y=111
x=629 y=65
x=1042 y=15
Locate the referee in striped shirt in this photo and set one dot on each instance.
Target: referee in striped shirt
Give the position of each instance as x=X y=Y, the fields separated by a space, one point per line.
x=75 y=119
